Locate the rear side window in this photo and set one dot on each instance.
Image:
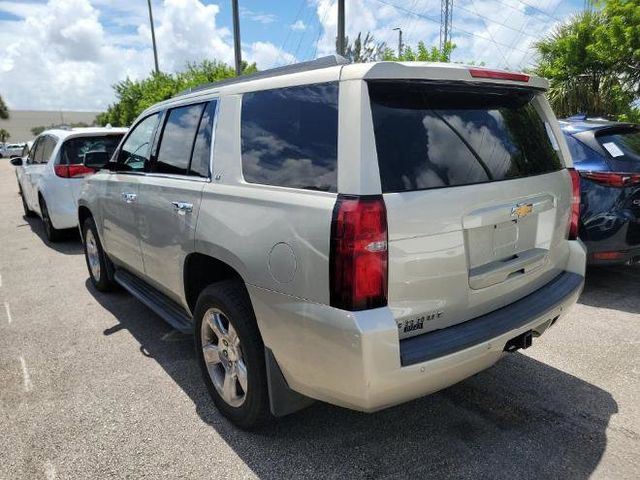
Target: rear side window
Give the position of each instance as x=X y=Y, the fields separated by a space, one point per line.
x=74 y=149
x=201 y=157
x=290 y=137
x=431 y=135
x=622 y=145
x=579 y=151
x=178 y=138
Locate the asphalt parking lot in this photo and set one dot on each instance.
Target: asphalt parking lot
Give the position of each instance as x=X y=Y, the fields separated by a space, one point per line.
x=97 y=386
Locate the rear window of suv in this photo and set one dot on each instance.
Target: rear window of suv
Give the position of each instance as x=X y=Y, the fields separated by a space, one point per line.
x=73 y=150
x=622 y=144
x=431 y=135
x=290 y=137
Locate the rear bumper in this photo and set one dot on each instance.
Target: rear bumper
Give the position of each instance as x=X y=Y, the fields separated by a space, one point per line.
x=355 y=359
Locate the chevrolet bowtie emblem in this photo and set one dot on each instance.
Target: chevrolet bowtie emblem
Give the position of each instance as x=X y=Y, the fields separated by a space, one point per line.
x=521 y=210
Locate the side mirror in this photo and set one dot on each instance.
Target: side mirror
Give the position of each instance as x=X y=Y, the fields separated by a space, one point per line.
x=96 y=160
x=16 y=162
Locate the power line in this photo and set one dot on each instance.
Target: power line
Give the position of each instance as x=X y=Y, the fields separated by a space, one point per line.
x=457 y=29
x=494 y=41
x=295 y=20
x=320 y=24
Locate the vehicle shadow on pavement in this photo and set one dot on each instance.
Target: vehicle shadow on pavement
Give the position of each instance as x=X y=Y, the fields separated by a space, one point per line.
x=520 y=419
x=614 y=288
x=69 y=244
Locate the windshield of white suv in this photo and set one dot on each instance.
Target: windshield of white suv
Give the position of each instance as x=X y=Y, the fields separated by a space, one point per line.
x=431 y=135
x=74 y=149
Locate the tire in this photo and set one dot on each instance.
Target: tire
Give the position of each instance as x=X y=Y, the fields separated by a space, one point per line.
x=99 y=266
x=27 y=211
x=226 y=304
x=52 y=233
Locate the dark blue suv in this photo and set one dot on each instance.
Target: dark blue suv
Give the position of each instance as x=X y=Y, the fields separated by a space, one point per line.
x=607 y=156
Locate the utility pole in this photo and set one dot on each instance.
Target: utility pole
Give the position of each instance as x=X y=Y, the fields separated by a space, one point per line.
x=341 y=40
x=153 y=37
x=399 y=41
x=236 y=37
x=446 y=18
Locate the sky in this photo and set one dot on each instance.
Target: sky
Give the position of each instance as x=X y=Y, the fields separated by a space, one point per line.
x=67 y=54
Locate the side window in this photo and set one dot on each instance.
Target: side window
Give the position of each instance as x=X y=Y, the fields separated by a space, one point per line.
x=200 y=159
x=178 y=136
x=36 y=150
x=49 y=146
x=134 y=154
x=290 y=137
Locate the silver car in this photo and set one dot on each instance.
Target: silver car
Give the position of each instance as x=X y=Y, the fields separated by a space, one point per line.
x=358 y=234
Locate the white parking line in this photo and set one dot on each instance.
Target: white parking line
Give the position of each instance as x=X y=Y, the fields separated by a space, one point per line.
x=8 y=311
x=28 y=386
x=49 y=470
x=0 y=280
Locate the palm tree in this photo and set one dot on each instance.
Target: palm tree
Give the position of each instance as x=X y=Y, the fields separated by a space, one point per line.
x=581 y=77
x=4 y=111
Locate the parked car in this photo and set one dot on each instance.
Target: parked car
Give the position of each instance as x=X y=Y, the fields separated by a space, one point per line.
x=358 y=234
x=11 y=150
x=607 y=155
x=50 y=176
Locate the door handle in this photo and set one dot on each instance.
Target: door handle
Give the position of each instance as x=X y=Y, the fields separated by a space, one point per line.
x=129 y=197
x=182 y=208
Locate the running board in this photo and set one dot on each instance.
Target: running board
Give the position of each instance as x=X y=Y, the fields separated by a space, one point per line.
x=167 y=309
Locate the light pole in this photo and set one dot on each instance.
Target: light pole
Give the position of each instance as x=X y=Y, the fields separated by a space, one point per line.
x=341 y=43
x=236 y=37
x=399 y=41
x=153 y=37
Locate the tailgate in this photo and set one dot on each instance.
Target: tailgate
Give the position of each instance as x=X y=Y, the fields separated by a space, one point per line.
x=477 y=198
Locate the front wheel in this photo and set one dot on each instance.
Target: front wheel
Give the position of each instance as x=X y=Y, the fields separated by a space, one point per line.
x=99 y=265
x=231 y=354
x=27 y=211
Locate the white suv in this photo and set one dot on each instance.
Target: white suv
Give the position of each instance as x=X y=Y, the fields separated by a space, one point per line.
x=50 y=175
x=358 y=234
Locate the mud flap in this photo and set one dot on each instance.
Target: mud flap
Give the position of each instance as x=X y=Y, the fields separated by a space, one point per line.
x=282 y=400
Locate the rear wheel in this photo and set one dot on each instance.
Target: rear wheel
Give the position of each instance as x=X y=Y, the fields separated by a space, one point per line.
x=52 y=233
x=231 y=354
x=99 y=265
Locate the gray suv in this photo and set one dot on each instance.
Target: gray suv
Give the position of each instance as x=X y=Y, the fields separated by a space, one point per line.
x=358 y=234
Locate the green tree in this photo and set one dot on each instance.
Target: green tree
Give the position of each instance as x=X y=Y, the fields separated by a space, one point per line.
x=4 y=135
x=583 y=75
x=4 y=110
x=618 y=39
x=364 y=50
x=134 y=96
x=421 y=54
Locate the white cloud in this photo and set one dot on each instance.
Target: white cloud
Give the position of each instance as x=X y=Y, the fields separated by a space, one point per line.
x=267 y=55
x=298 y=26
x=61 y=55
x=259 y=17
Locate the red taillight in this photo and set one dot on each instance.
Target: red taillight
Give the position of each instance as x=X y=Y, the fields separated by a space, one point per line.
x=498 y=74
x=70 y=171
x=574 y=218
x=358 y=258
x=613 y=179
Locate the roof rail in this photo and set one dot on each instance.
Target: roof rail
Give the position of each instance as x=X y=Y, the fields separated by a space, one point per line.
x=318 y=63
